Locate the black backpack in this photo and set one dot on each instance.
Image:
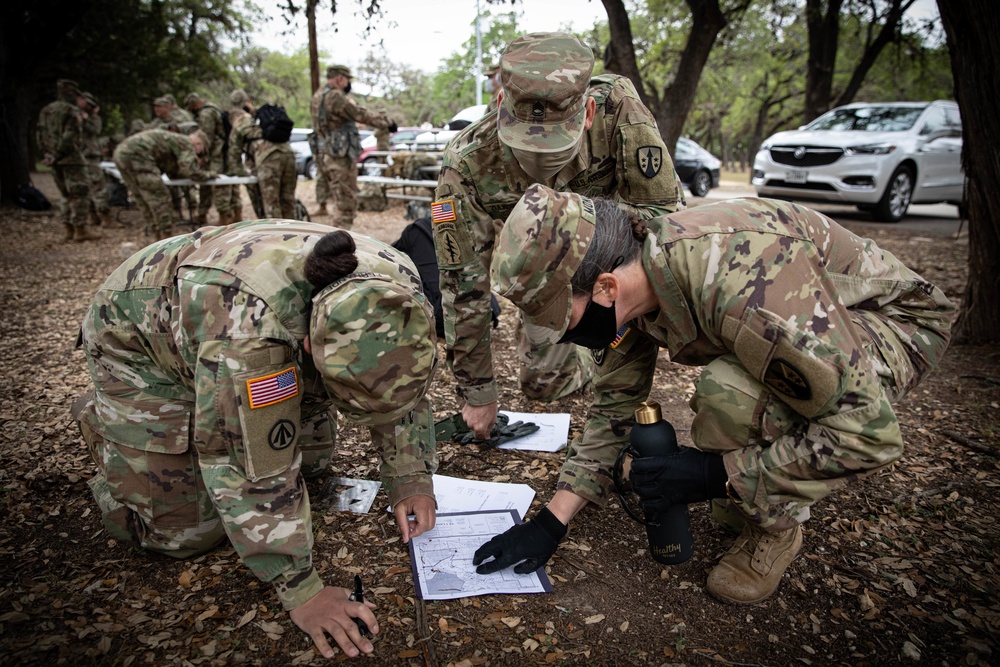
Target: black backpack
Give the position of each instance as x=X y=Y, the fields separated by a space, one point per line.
x=417 y=241
x=30 y=198
x=275 y=125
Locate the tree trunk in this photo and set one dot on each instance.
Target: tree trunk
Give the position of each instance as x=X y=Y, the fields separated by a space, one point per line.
x=885 y=37
x=313 y=48
x=678 y=98
x=971 y=27
x=824 y=33
x=619 y=56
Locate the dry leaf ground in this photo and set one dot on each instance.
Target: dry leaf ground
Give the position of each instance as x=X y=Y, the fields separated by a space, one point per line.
x=900 y=568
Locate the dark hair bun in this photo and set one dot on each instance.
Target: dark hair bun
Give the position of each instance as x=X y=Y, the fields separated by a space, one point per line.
x=331 y=259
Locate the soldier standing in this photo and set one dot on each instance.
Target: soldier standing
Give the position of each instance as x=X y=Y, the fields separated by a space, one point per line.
x=807 y=334
x=335 y=116
x=100 y=209
x=322 y=187
x=210 y=121
x=220 y=360
x=273 y=164
x=556 y=125
x=60 y=139
x=228 y=197
x=142 y=158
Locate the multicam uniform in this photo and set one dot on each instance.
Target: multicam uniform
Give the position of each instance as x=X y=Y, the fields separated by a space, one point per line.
x=142 y=158
x=228 y=197
x=60 y=134
x=92 y=126
x=209 y=119
x=335 y=115
x=622 y=156
x=182 y=341
x=807 y=332
x=274 y=166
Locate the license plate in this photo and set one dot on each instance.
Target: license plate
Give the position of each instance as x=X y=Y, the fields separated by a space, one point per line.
x=797 y=176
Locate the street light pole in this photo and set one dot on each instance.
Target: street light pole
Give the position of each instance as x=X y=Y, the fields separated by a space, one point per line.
x=479 y=59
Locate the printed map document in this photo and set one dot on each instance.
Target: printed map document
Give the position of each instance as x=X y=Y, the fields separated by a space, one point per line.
x=551 y=436
x=455 y=494
x=441 y=559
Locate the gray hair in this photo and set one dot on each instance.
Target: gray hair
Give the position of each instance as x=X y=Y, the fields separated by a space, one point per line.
x=617 y=241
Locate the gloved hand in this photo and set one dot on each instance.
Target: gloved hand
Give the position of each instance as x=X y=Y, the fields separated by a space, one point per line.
x=532 y=542
x=392 y=126
x=684 y=477
x=455 y=428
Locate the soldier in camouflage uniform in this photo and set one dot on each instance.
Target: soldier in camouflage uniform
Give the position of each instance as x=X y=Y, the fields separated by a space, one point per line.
x=60 y=139
x=100 y=209
x=273 y=164
x=142 y=158
x=555 y=125
x=335 y=116
x=209 y=119
x=807 y=334
x=492 y=86
x=322 y=187
x=220 y=359
x=228 y=198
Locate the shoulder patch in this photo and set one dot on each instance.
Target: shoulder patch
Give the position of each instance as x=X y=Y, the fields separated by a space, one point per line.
x=620 y=336
x=650 y=159
x=443 y=211
x=273 y=388
x=788 y=380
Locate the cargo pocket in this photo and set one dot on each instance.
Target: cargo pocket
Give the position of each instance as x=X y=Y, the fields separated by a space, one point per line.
x=804 y=371
x=270 y=416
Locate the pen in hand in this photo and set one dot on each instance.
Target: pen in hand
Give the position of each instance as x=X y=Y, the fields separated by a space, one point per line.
x=359 y=596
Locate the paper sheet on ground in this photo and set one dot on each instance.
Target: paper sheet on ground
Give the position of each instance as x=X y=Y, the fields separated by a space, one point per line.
x=551 y=436
x=454 y=494
x=441 y=559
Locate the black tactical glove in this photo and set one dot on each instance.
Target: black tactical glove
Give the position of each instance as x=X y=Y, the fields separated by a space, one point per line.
x=393 y=127
x=532 y=542
x=455 y=428
x=684 y=477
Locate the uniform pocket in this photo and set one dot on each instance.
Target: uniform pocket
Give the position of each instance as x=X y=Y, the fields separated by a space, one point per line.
x=270 y=418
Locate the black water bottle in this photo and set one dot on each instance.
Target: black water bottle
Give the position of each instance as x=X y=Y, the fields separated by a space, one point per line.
x=669 y=532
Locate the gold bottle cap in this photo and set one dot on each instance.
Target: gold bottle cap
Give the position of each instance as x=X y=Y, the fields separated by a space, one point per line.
x=648 y=412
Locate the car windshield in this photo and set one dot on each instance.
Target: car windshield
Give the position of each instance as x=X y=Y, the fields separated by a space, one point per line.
x=869 y=119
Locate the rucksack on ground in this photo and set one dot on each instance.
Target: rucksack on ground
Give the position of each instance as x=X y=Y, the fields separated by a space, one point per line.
x=30 y=198
x=275 y=125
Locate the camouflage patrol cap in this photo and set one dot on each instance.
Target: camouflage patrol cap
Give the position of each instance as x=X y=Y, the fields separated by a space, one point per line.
x=67 y=86
x=540 y=247
x=544 y=77
x=338 y=70
x=239 y=98
x=171 y=100
x=191 y=99
x=373 y=341
x=162 y=101
x=90 y=98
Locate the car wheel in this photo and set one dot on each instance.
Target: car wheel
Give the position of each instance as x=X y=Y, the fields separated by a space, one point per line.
x=312 y=171
x=701 y=184
x=896 y=198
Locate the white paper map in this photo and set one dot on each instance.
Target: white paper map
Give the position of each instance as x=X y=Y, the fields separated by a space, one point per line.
x=442 y=559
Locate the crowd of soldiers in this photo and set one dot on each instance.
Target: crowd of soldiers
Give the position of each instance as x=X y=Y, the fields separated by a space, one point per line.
x=563 y=199
x=198 y=142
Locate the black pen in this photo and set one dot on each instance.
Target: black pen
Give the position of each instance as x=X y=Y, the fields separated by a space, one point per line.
x=359 y=596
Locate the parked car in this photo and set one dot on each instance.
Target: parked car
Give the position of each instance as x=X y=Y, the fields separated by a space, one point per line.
x=698 y=169
x=879 y=157
x=305 y=163
x=398 y=140
x=437 y=139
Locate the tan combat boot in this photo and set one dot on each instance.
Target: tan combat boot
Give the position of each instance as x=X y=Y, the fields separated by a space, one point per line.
x=225 y=218
x=84 y=233
x=200 y=220
x=752 y=569
x=106 y=219
x=70 y=231
x=725 y=514
x=236 y=215
x=321 y=210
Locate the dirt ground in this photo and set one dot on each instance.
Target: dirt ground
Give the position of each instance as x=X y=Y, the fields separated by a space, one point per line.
x=899 y=568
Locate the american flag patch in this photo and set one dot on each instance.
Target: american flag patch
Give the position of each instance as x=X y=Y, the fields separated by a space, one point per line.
x=443 y=211
x=273 y=388
x=620 y=336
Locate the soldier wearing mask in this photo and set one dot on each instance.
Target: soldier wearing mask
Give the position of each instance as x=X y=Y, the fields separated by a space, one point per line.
x=558 y=125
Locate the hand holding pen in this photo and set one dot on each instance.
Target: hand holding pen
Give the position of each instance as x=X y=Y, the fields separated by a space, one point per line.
x=339 y=614
x=359 y=596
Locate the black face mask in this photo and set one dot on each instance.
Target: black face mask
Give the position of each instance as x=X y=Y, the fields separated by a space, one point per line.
x=596 y=329
x=347 y=88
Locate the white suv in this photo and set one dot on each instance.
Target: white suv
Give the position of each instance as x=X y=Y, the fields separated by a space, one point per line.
x=879 y=157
